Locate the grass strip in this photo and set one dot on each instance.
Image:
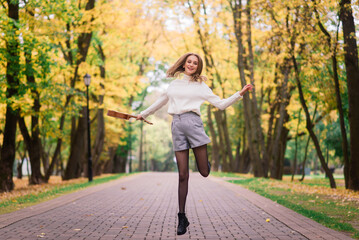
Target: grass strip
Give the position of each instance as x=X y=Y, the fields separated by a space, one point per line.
x=314 y=206
x=56 y=191
x=316 y=216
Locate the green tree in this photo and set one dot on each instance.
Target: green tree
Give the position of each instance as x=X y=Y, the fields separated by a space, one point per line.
x=352 y=72
x=12 y=113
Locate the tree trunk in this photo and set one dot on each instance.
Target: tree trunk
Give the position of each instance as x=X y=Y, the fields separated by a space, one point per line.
x=33 y=142
x=305 y=159
x=352 y=70
x=307 y=145
x=142 y=166
x=245 y=164
x=99 y=139
x=100 y=132
x=345 y=145
x=129 y=153
x=83 y=44
x=222 y=146
x=280 y=143
x=272 y=113
x=108 y=166
x=169 y=164
x=59 y=167
x=120 y=159
x=294 y=170
x=33 y=145
x=228 y=143
x=20 y=163
x=256 y=118
x=57 y=151
x=337 y=94
x=215 y=147
x=12 y=70
x=310 y=126
x=77 y=159
x=140 y=161
x=250 y=114
x=282 y=148
x=69 y=58
x=19 y=168
x=237 y=158
x=112 y=154
x=275 y=144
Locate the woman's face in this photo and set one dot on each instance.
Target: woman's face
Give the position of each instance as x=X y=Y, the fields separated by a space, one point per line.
x=191 y=65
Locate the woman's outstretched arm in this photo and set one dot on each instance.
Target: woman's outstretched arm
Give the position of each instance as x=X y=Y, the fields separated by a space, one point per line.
x=224 y=103
x=154 y=107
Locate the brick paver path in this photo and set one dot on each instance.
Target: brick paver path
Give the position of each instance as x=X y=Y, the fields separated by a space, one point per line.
x=144 y=206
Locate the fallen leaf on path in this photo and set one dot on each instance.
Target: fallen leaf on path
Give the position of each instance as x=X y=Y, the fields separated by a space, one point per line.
x=267 y=220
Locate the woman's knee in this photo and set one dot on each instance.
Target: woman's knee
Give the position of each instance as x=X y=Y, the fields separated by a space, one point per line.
x=183 y=176
x=204 y=173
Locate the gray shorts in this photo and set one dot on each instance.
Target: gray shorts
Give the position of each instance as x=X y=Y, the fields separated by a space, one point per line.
x=187 y=131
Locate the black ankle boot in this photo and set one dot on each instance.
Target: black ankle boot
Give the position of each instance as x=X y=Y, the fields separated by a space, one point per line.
x=182 y=224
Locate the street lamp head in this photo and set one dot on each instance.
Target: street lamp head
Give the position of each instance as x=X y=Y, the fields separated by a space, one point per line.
x=87 y=79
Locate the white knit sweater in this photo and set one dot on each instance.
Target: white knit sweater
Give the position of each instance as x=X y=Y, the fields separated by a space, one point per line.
x=184 y=95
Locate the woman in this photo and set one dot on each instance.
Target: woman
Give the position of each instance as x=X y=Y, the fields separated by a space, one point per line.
x=185 y=95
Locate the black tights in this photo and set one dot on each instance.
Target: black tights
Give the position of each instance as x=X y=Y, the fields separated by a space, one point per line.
x=200 y=154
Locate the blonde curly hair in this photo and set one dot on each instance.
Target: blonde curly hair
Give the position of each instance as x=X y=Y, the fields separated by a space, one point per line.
x=176 y=69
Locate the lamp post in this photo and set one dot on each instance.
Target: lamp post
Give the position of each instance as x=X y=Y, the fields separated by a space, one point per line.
x=87 y=80
x=144 y=149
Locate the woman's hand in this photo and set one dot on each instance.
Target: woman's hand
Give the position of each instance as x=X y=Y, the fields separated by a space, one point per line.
x=246 y=88
x=139 y=117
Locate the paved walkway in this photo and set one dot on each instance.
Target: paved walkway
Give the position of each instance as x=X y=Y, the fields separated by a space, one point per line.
x=144 y=206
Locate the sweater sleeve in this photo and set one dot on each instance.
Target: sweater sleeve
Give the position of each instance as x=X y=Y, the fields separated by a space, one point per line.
x=217 y=101
x=155 y=106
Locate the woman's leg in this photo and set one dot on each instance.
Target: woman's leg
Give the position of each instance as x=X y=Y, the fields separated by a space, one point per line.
x=183 y=175
x=201 y=156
